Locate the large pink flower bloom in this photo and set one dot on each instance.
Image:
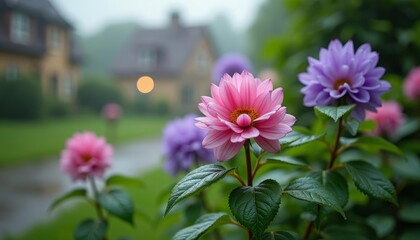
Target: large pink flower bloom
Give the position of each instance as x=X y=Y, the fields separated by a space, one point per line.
x=85 y=155
x=388 y=119
x=240 y=108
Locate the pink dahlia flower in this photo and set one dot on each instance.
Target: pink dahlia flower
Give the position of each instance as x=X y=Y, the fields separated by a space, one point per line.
x=240 y=108
x=388 y=119
x=85 y=155
x=412 y=84
x=111 y=111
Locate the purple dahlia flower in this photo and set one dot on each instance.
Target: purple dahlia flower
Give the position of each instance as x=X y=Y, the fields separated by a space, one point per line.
x=230 y=64
x=182 y=145
x=344 y=76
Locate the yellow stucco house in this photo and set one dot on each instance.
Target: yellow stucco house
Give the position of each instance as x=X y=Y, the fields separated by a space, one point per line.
x=179 y=59
x=36 y=39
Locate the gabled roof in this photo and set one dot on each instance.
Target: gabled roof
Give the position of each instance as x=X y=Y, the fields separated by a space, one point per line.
x=40 y=8
x=173 y=45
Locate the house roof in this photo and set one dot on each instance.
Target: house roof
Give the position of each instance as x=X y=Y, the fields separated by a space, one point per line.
x=39 y=8
x=172 y=45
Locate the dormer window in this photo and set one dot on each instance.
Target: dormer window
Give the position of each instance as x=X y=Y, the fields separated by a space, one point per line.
x=147 y=59
x=54 y=37
x=20 y=28
x=202 y=61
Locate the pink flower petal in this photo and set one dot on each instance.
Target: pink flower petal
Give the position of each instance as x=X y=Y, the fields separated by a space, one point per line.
x=267 y=144
x=275 y=132
x=216 y=138
x=250 y=132
x=227 y=151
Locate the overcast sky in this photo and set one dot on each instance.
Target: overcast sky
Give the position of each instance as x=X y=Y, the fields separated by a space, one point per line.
x=89 y=16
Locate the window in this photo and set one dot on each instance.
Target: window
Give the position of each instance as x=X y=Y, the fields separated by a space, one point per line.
x=54 y=37
x=19 y=28
x=54 y=85
x=67 y=87
x=147 y=59
x=187 y=94
x=202 y=61
x=12 y=72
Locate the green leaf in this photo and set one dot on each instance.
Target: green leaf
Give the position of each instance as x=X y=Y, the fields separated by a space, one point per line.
x=352 y=126
x=91 y=229
x=256 y=150
x=118 y=203
x=122 y=180
x=202 y=226
x=79 y=192
x=335 y=183
x=371 y=181
x=311 y=190
x=281 y=235
x=383 y=224
x=195 y=181
x=367 y=126
x=371 y=143
x=255 y=207
x=295 y=139
x=335 y=113
x=410 y=213
x=273 y=158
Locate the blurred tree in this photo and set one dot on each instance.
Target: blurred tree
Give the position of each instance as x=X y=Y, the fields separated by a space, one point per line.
x=94 y=93
x=392 y=27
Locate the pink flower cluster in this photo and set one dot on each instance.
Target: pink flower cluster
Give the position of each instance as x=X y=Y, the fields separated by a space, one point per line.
x=388 y=119
x=412 y=84
x=111 y=111
x=240 y=108
x=86 y=155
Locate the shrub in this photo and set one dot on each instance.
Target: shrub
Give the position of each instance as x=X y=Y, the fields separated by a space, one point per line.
x=94 y=94
x=20 y=98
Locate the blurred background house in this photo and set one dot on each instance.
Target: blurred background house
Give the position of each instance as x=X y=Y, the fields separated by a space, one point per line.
x=36 y=40
x=179 y=58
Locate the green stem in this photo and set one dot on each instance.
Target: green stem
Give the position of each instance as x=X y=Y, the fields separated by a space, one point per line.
x=248 y=171
x=248 y=162
x=95 y=194
x=95 y=200
x=334 y=154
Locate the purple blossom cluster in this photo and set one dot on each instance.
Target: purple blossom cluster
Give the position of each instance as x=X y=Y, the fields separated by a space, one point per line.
x=182 y=145
x=344 y=76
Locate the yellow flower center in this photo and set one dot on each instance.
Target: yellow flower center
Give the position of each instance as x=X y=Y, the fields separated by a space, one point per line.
x=252 y=113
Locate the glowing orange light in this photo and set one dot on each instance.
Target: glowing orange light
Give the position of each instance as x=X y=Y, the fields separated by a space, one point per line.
x=145 y=84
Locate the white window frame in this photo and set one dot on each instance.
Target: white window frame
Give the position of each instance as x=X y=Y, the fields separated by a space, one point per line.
x=202 y=61
x=20 y=28
x=147 y=59
x=54 y=37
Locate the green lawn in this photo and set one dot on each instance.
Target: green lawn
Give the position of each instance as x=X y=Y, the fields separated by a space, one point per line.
x=27 y=141
x=148 y=200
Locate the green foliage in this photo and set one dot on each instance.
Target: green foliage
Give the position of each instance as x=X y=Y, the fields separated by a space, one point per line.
x=118 y=203
x=371 y=182
x=91 y=229
x=281 y=235
x=95 y=93
x=296 y=138
x=202 y=226
x=371 y=143
x=78 y=192
x=196 y=181
x=335 y=183
x=122 y=180
x=334 y=113
x=275 y=158
x=255 y=207
x=309 y=189
x=21 y=98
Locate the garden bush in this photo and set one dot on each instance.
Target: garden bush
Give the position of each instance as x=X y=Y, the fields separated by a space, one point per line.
x=95 y=93
x=21 y=98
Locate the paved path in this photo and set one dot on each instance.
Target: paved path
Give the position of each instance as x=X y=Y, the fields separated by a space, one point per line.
x=26 y=191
